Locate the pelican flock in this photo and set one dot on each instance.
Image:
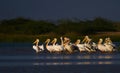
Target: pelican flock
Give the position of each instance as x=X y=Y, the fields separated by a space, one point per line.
x=66 y=46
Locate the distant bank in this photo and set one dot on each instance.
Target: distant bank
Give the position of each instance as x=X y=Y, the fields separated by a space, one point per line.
x=115 y=37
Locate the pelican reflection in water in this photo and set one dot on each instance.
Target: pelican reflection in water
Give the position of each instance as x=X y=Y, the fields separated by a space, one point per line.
x=79 y=60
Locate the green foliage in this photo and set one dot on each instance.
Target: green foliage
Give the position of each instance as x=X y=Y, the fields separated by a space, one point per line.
x=34 y=27
x=25 y=26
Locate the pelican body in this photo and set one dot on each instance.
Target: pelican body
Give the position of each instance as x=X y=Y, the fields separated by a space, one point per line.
x=106 y=47
x=55 y=48
x=38 y=48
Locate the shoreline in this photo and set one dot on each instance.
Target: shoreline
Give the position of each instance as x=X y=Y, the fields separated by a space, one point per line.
x=115 y=37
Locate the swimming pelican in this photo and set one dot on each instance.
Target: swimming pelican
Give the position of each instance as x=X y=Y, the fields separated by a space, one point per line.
x=102 y=47
x=110 y=46
x=70 y=48
x=82 y=47
x=50 y=48
x=57 y=48
x=54 y=41
x=36 y=47
x=86 y=40
x=89 y=45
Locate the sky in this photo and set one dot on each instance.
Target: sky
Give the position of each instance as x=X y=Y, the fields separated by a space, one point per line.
x=60 y=9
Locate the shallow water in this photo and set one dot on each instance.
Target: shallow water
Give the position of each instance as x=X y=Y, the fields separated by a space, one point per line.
x=21 y=58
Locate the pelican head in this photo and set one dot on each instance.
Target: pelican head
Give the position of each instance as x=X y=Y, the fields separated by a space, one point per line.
x=54 y=40
x=36 y=41
x=106 y=40
x=100 y=41
x=48 y=40
x=65 y=38
x=77 y=42
x=86 y=36
x=109 y=40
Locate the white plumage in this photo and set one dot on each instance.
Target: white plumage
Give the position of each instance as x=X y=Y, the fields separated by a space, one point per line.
x=36 y=47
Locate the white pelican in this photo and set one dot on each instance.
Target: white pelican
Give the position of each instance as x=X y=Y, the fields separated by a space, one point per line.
x=50 y=48
x=104 y=47
x=54 y=41
x=88 y=44
x=57 y=48
x=69 y=47
x=108 y=43
x=86 y=40
x=82 y=47
x=36 y=47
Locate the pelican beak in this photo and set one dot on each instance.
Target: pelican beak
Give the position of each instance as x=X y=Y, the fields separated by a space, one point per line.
x=46 y=41
x=83 y=40
x=34 y=42
x=53 y=41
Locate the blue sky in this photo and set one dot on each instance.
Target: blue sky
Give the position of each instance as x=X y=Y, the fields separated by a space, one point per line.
x=58 y=9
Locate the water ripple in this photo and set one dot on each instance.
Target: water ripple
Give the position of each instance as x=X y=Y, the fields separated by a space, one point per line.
x=59 y=60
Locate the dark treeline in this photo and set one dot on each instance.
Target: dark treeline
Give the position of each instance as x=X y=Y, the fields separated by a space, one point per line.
x=36 y=27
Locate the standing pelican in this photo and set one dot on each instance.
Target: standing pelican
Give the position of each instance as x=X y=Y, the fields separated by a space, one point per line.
x=36 y=47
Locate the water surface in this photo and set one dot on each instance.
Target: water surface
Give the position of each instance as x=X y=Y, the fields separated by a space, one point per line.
x=21 y=58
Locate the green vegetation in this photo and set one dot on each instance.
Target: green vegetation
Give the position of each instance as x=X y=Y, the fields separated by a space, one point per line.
x=27 y=30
